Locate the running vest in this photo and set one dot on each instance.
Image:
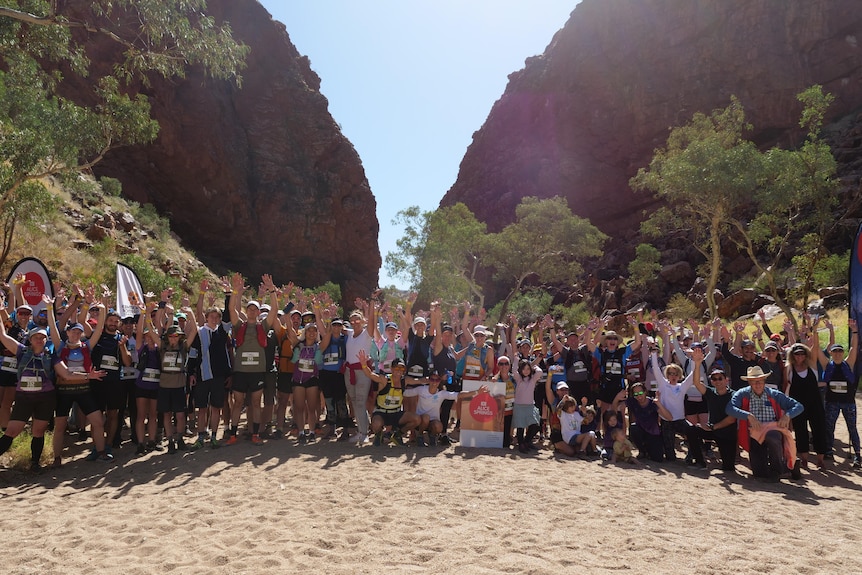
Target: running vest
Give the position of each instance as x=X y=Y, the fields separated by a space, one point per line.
x=380 y=355
x=389 y=398
x=841 y=384
x=474 y=365
x=34 y=376
x=173 y=367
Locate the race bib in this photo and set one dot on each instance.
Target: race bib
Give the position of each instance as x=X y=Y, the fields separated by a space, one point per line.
x=110 y=363
x=305 y=365
x=151 y=375
x=330 y=359
x=250 y=358
x=838 y=386
x=31 y=383
x=171 y=362
x=10 y=364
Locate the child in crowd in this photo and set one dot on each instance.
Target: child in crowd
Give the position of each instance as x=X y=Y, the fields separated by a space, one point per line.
x=622 y=447
x=571 y=418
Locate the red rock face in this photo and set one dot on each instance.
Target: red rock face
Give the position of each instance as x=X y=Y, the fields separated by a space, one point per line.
x=257 y=179
x=581 y=119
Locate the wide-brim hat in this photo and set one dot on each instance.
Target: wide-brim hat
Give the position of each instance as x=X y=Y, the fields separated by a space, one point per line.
x=755 y=372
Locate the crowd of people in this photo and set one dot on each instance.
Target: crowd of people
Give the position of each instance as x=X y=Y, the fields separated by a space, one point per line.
x=184 y=378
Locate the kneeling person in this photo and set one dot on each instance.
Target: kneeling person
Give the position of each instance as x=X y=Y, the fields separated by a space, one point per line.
x=388 y=408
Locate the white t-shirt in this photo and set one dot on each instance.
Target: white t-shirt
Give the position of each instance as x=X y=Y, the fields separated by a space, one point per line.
x=570 y=424
x=354 y=344
x=429 y=403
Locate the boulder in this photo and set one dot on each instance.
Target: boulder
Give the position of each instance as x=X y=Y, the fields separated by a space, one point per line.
x=736 y=303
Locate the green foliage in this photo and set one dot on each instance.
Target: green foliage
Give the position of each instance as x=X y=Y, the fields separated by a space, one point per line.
x=722 y=189
x=705 y=173
x=42 y=132
x=20 y=453
x=152 y=279
x=149 y=218
x=527 y=306
x=33 y=205
x=571 y=316
x=681 y=308
x=111 y=186
x=439 y=252
x=406 y=261
x=644 y=268
x=547 y=239
x=831 y=270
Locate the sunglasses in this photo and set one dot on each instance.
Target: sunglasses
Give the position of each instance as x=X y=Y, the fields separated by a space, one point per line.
x=503 y=363
x=638 y=393
x=24 y=313
x=716 y=377
x=800 y=352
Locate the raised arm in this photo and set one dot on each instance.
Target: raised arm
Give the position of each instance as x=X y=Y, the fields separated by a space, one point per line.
x=854 y=345
x=191 y=326
x=8 y=342
x=697 y=358
x=236 y=288
x=100 y=325
x=52 y=323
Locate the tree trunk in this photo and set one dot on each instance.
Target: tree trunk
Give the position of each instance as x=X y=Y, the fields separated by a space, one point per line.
x=715 y=260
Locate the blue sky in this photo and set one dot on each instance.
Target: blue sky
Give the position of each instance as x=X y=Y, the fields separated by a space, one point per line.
x=410 y=81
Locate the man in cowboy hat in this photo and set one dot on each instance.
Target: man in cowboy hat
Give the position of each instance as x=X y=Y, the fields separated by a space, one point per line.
x=764 y=427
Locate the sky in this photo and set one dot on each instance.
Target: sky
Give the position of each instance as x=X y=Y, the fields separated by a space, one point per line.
x=409 y=81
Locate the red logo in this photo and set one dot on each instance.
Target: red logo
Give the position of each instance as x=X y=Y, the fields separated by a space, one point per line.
x=33 y=288
x=483 y=407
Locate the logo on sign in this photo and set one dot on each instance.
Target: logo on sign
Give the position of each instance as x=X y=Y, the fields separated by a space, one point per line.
x=483 y=407
x=33 y=288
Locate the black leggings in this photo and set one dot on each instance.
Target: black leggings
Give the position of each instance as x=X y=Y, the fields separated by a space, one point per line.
x=531 y=434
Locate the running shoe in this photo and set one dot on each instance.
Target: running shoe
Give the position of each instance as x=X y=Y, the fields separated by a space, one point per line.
x=172 y=447
x=107 y=457
x=93 y=455
x=378 y=439
x=358 y=438
x=181 y=444
x=397 y=439
x=857 y=461
x=141 y=450
x=232 y=440
x=214 y=443
x=196 y=445
x=255 y=438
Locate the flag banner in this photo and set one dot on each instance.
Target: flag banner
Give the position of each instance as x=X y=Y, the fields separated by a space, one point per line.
x=36 y=282
x=129 y=292
x=855 y=284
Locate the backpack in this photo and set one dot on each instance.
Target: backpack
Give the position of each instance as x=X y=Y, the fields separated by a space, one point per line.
x=28 y=355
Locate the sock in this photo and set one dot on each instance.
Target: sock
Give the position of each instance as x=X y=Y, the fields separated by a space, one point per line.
x=201 y=435
x=5 y=443
x=255 y=427
x=233 y=429
x=37 y=444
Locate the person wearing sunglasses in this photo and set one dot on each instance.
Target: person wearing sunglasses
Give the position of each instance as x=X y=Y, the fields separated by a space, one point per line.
x=720 y=428
x=644 y=427
x=841 y=386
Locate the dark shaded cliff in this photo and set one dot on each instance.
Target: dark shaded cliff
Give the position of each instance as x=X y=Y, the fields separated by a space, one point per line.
x=581 y=119
x=257 y=179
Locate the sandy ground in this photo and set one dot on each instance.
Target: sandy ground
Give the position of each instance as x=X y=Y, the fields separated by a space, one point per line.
x=336 y=508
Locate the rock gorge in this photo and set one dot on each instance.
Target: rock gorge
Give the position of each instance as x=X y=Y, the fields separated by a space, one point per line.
x=579 y=120
x=257 y=179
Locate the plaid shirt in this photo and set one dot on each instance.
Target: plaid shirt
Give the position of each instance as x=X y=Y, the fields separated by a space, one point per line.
x=761 y=408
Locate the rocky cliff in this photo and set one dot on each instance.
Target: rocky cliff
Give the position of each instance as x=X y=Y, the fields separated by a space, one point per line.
x=579 y=120
x=259 y=178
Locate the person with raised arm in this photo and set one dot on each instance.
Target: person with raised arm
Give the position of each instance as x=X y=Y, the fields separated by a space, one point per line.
x=250 y=367
x=75 y=354
x=360 y=336
x=213 y=369
x=841 y=385
x=721 y=427
x=388 y=404
x=35 y=393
